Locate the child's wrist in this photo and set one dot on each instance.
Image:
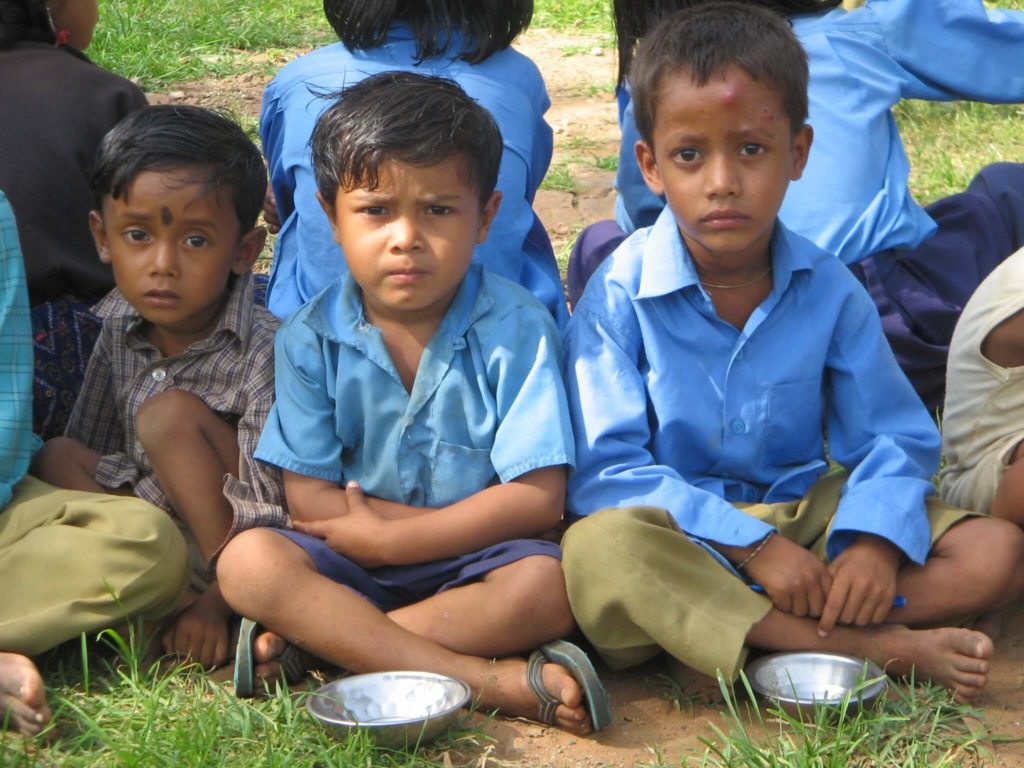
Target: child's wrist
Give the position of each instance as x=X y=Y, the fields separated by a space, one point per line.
x=746 y=561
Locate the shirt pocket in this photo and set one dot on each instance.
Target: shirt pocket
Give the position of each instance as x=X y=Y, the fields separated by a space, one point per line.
x=794 y=432
x=459 y=471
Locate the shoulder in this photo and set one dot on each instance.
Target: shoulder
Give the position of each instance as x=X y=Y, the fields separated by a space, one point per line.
x=330 y=61
x=504 y=309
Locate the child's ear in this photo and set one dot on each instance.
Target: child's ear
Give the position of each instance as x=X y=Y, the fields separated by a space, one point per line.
x=328 y=207
x=249 y=249
x=802 y=141
x=648 y=167
x=487 y=214
x=99 y=235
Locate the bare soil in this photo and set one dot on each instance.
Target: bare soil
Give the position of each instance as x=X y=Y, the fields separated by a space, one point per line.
x=655 y=724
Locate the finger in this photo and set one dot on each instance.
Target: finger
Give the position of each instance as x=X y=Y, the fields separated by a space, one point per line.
x=816 y=601
x=882 y=609
x=866 y=611
x=833 y=606
x=800 y=604
x=851 y=609
x=311 y=527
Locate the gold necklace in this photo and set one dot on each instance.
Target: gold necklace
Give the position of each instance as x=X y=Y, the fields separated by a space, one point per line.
x=760 y=277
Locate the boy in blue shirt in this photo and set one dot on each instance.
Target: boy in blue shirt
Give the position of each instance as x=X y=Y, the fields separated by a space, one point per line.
x=702 y=360
x=422 y=427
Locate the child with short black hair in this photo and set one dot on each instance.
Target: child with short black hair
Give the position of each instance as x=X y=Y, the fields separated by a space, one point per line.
x=702 y=359
x=468 y=42
x=422 y=427
x=181 y=380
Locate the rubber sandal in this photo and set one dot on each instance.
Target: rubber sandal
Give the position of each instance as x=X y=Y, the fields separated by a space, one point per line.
x=576 y=662
x=291 y=660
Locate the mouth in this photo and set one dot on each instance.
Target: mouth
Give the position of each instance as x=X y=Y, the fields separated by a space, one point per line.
x=161 y=298
x=406 y=275
x=725 y=218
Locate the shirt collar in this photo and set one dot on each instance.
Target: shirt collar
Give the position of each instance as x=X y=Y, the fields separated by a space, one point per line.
x=337 y=313
x=667 y=266
x=235 y=319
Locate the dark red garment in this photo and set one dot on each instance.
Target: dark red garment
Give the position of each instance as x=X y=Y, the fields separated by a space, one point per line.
x=55 y=107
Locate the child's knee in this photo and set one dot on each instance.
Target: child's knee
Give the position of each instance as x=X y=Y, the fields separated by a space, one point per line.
x=989 y=553
x=539 y=591
x=166 y=414
x=254 y=563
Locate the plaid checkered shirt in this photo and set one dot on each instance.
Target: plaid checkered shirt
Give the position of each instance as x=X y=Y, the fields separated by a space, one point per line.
x=232 y=371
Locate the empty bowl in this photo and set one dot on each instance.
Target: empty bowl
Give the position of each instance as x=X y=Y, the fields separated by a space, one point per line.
x=799 y=682
x=397 y=709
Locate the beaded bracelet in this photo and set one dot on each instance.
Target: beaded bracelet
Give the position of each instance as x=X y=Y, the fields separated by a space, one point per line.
x=746 y=560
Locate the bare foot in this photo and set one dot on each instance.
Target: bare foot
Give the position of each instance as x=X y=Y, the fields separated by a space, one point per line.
x=507 y=691
x=22 y=694
x=951 y=656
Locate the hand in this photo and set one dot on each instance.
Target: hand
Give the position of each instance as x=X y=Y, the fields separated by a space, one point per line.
x=270 y=215
x=201 y=633
x=360 y=534
x=796 y=581
x=863 y=584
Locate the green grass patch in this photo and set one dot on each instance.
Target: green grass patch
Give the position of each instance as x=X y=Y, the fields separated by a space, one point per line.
x=573 y=15
x=160 y=42
x=113 y=707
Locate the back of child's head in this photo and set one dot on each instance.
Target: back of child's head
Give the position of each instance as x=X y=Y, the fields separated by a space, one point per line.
x=169 y=137
x=25 y=21
x=405 y=117
x=485 y=26
x=635 y=18
x=703 y=42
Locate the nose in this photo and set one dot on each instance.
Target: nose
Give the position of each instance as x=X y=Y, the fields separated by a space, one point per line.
x=722 y=177
x=404 y=234
x=165 y=259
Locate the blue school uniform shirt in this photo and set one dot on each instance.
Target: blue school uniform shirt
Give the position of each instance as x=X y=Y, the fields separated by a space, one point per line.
x=488 y=403
x=675 y=408
x=507 y=84
x=854 y=199
x=17 y=443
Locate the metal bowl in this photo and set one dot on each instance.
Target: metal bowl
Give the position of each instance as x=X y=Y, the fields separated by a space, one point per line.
x=397 y=709
x=800 y=682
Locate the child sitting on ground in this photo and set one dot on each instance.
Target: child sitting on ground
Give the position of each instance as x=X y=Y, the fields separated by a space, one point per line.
x=422 y=427
x=468 y=42
x=702 y=360
x=181 y=380
x=982 y=431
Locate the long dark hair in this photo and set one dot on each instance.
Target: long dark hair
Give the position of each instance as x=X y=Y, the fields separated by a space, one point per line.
x=635 y=18
x=486 y=26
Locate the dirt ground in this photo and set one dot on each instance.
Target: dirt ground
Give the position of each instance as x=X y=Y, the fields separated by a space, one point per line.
x=651 y=725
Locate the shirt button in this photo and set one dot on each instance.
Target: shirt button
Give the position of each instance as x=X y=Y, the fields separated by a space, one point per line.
x=159 y=374
x=738 y=427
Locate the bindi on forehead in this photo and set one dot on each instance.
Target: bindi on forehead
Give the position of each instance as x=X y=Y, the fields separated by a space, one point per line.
x=166 y=217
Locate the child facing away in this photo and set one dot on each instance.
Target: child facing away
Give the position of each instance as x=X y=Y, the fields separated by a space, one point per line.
x=981 y=421
x=920 y=265
x=702 y=359
x=72 y=562
x=422 y=428
x=57 y=106
x=462 y=41
x=181 y=380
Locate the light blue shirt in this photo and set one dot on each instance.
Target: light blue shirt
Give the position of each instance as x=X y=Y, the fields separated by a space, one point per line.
x=488 y=403
x=676 y=408
x=854 y=199
x=507 y=84
x=17 y=443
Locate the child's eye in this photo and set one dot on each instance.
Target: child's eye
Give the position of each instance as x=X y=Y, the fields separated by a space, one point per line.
x=751 y=150
x=439 y=210
x=195 y=241
x=136 y=235
x=373 y=210
x=687 y=155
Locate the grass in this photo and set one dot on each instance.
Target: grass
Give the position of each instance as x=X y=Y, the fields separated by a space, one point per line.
x=913 y=727
x=114 y=708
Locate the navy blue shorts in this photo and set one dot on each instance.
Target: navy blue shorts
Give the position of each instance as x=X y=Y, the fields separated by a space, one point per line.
x=395 y=586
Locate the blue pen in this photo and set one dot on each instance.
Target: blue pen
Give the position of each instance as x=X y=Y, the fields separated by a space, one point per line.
x=897 y=602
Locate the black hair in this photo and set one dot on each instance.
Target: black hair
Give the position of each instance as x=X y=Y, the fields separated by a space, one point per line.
x=486 y=26
x=635 y=18
x=704 y=41
x=405 y=116
x=169 y=136
x=25 y=21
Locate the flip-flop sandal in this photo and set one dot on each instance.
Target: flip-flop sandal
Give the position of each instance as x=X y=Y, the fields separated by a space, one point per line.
x=291 y=660
x=576 y=662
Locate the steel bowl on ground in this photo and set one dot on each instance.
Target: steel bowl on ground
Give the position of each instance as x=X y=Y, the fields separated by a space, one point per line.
x=397 y=709
x=803 y=681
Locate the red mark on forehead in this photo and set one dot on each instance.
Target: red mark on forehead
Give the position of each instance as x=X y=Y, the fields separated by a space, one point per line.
x=767 y=114
x=166 y=217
